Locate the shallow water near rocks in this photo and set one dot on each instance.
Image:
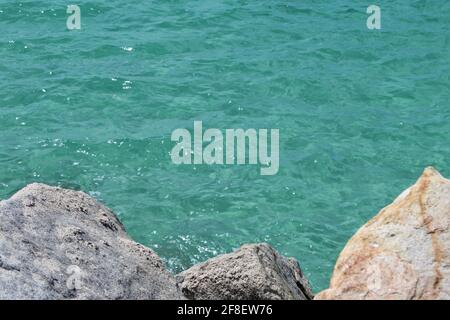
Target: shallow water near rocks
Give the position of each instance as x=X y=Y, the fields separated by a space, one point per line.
x=360 y=114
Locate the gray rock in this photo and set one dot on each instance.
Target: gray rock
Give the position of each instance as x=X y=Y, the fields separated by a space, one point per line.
x=62 y=244
x=254 y=271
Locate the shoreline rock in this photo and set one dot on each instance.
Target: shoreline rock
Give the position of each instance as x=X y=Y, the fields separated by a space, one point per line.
x=253 y=272
x=403 y=252
x=62 y=244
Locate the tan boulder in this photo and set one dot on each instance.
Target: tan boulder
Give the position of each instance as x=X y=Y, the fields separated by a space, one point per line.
x=403 y=252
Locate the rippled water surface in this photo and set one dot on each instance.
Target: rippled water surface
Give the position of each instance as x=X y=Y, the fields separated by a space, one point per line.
x=360 y=113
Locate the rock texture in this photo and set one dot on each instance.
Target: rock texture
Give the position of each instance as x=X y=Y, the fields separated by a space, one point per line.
x=402 y=253
x=62 y=244
x=254 y=271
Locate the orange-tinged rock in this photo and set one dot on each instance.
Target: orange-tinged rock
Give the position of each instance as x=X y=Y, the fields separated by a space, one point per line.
x=403 y=252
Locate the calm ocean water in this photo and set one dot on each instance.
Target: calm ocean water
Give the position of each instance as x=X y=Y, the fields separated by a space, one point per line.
x=360 y=113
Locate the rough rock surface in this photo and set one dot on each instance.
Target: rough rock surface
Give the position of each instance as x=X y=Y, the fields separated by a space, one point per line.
x=62 y=244
x=254 y=271
x=402 y=253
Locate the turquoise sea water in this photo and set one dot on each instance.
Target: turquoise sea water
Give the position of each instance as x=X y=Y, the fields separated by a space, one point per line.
x=360 y=113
